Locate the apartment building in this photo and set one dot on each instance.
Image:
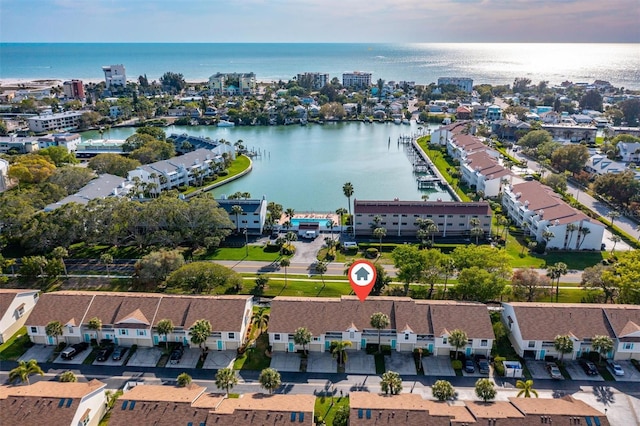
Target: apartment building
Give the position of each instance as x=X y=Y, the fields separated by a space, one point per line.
x=115 y=75
x=465 y=84
x=233 y=84
x=356 y=79
x=48 y=123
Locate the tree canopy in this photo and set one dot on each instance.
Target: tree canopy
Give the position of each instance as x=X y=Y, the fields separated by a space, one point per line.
x=200 y=277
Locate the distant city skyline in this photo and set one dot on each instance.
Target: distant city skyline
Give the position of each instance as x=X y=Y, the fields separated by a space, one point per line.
x=331 y=21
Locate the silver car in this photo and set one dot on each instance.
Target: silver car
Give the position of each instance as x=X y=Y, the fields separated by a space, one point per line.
x=615 y=367
x=553 y=370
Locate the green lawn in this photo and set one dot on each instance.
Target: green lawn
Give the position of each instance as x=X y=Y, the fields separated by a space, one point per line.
x=85 y=251
x=256 y=252
x=254 y=358
x=326 y=407
x=306 y=288
x=13 y=348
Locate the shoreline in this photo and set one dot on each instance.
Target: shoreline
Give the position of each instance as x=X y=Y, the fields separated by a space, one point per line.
x=42 y=83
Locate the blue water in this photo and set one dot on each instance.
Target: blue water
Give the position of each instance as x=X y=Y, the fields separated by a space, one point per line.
x=324 y=223
x=492 y=63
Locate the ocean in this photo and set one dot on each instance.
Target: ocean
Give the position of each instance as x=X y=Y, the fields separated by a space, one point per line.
x=492 y=63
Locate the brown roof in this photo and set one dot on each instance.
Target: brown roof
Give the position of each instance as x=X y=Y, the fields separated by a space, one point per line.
x=40 y=403
x=139 y=309
x=7 y=296
x=565 y=406
x=544 y=321
x=421 y=207
x=168 y=405
x=542 y=197
x=321 y=315
x=486 y=165
x=624 y=319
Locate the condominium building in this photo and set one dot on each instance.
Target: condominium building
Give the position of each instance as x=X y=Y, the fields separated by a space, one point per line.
x=356 y=79
x=313 y=80
x=233 y=84
x=73 y=89
x=115 y=75
x=51 y=122
x=465 y=84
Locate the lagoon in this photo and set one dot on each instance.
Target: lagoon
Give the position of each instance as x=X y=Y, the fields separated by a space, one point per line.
x=304 y=167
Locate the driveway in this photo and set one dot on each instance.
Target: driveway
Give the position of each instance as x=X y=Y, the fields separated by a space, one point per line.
x=114 y=363
x=538 y=369
x=322 y=362
x=576 y=372
x=439 y=366
x=359 y=362
x=145 y=357
x=40 y=353
x=400 y=362
x=78 y=359
x=217 y=360
x=286 y=361
x=189 y=359
x=307 y=250
x=631 y=374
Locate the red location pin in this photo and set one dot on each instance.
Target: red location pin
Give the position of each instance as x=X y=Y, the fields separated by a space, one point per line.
x=362 y=277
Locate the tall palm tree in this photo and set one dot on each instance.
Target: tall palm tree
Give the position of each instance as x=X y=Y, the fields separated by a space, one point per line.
x=261 y=319
x=526 y=388
x=341 y=212
x=380 y=233
x=379 y=321
x=285 y=263
x=613 y=214
x=339 y=350
x=321 y=268
x=61 y=253
x=54 y=329
x=226 y=379
x=237 y=210
x=200 y=332
x=616 y=239
x=347 y=190
x=475 y=231
x=164 y=328
x=584 y=232
x=571 y=228
x=25 y=369
x=458 y=339
x=331 y=224
x=95 y=324
x=555 y=272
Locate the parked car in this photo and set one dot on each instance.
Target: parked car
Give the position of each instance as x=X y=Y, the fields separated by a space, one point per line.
x=103 y=354
x=483 y=364
x=469 y=366
x=615 y=367
x=118 y=353
x=589 y=367
x=348 y=245
x=176 y=355
x=68 y=353
x=553 y=370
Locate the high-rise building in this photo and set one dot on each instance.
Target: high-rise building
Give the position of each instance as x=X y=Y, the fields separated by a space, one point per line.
x=465 y=84
x=115 y=75
x=313 y=80
x=356 y=79
x=73 y=89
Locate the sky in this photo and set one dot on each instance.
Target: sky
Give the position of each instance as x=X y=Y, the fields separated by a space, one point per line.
x=305 y=21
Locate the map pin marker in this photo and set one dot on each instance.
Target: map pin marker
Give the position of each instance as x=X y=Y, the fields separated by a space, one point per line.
x=362 y=277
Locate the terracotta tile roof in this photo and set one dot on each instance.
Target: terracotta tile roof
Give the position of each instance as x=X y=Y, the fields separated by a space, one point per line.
x=60 y=306
x=544 y=321
x=421 y=207
x=321 y=315
x=168 y=405
x=42 y=403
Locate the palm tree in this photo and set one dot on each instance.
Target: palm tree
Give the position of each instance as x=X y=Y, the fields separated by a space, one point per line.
x=613 y=214
x=200 y=332
x=95 y=324
x=458 y=339
x=183 y=380
x=448 y=267
x=563 y=344
x=347 y=190
x=391 y=383
x=290 y=213
x=261 y=319
x=226 y=379
x=25 y=369
x=379 y=321
x=68 y=377
x=321 y=268
x=602 y=344
x=237 y=210
x=54 y=329
x=556 y=271
x=164 y=328
x=61 y=253
x=442 y=390
x=380 y=233
x=571 y=228
x=616 y=239
x=331 y=224
x=107 y=259
x=339 y=350
x=341 y=212
x=584 y=232
x=302 y=336
x=285 y=263
x=475 y=231
x=485 y=389
x=269 y=379
x=526 y=388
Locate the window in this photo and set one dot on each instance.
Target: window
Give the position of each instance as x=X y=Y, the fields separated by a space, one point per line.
x=232 y=336
x=142 y=332
x=20 y=311
x=628 y=346
x=34 y=329
x=406 y=336
x=484 y=342
x=444 y=340
x=352 y=335
x=123 y=332
x=532 y=343
x=276 y=336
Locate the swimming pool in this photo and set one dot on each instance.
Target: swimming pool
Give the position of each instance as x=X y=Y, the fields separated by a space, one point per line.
x=323 y=223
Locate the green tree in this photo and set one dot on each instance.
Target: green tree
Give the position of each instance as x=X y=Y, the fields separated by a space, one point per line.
x=602 y=344
x=382 y=280
x=60 y=253
x=285 y=263
x=302 y=336
x=478 y=284
x=485 y=390
x=25 y=369
x=622 y=279
x=113 y=164
x=59 y=155
x=68 y=377
x=341 y=418
x=408 y=261
x=339 y=350
x=95 y=324
x=535 y=138
x=442 y=390
x=391 y=383
x=347 y=190
x=71 y=178
x=572 y=157
x=31 y=168
x=556 y=181
x=164 y=328
x=563 y=345
x=458 y=339
x=260 y=319
x=526 y=388
x=172 y=82
x=226 y=379
x=200 y=332
x=379 y=321
x=270 y=379
x=529 y=285
x=107 y=259
x=321 y=269
x=154 y=267
x=604 y=280
x=183 y=380
x=380 y=233
x=54 y=329
x=237 y=211
x=555 y=272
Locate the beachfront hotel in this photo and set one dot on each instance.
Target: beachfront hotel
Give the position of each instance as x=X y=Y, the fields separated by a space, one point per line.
x=356 y=79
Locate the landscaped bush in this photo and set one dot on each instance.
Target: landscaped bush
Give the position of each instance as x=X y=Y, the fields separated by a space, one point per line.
x=456 y=364
x=224 y=172
x=288 y=249
x=371 y=253
x=498 y=366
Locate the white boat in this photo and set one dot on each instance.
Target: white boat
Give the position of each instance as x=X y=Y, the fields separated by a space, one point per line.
x=225 y=123
x=397 y=121
x=405 y=121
